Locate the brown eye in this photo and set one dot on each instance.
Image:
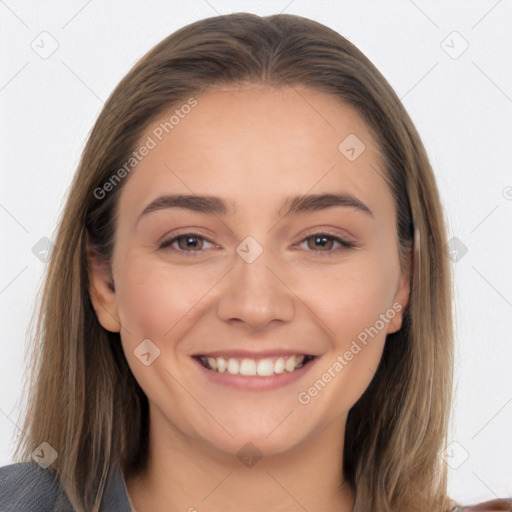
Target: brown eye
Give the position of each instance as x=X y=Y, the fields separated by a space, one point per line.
x=325 y=243
x=320 y=242
x=189 y=242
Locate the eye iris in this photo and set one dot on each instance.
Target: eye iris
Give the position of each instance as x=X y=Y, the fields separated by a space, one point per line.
x=325 y=242
x=189 y=242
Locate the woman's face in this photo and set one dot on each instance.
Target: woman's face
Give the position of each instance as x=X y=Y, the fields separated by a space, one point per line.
x=273 y=235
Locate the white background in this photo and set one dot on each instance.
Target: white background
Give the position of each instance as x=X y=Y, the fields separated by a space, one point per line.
x=461 y=106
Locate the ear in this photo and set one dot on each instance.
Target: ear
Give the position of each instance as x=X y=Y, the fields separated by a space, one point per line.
x=102 y=293
x=402 y=294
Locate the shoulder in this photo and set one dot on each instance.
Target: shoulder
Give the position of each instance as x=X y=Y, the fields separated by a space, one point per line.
x=504 y=504
x=27 y=486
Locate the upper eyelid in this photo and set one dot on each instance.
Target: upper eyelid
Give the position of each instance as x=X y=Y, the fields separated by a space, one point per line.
x=313 y=231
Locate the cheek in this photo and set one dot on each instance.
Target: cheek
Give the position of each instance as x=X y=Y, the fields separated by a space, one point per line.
x=157 y=299
x=351 y=298
x=356 y=310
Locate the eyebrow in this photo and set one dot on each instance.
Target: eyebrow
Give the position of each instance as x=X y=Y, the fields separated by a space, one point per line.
x=292 y=205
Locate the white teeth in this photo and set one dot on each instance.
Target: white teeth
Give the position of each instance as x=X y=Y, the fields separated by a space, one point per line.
x=221 y=365
x=249 y=367
x=279 y=366
x=233 y=366
x=289 y=365
x=265 y=367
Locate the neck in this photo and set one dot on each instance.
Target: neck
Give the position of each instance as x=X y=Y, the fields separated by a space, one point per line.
x=183 y=475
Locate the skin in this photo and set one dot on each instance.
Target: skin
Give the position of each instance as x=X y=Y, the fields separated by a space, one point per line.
x=253 y=146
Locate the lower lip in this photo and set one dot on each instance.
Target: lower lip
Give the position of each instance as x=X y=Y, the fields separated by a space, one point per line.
x=255 y=382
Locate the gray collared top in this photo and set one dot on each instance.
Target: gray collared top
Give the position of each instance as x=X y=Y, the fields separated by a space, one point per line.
x=27 y=487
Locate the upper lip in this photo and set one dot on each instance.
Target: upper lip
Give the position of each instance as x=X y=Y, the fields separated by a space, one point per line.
x=246 y=354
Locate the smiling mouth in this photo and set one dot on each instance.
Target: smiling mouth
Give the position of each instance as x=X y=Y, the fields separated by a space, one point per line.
x=255 y=367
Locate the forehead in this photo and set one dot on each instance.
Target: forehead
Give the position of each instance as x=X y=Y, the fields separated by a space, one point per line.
x=256 y=144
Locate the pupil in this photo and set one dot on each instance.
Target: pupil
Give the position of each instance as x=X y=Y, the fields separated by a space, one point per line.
x=322 y=241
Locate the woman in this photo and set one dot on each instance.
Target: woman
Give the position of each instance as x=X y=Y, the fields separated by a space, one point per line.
x=248 y=306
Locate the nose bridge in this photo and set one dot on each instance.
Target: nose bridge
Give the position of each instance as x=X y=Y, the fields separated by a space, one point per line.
x=254 y=294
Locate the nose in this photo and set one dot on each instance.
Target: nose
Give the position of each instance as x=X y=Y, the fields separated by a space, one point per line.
x=256 y=295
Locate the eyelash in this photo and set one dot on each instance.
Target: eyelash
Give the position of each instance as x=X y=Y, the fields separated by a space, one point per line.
x=345 y=244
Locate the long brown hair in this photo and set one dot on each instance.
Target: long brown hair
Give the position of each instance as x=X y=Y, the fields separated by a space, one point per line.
x=83 y=398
